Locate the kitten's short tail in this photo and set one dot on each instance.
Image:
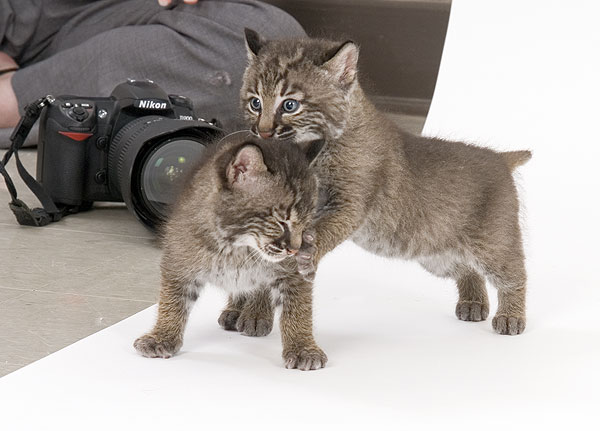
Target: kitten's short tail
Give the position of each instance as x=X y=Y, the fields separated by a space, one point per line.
x=514 y=159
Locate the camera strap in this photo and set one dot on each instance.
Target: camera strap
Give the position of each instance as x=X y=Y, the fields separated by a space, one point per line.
x=26 y=216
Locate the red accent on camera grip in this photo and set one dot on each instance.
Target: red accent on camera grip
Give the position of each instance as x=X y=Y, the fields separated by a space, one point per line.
x=76 y=136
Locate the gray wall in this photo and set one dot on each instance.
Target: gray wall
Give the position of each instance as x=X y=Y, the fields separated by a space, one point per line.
x=401 y=43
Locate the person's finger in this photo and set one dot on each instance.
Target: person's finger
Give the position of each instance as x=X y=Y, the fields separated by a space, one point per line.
x=190 y=1
x=164 y=3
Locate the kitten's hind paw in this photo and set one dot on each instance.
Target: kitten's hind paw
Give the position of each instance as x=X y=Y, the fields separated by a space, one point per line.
x=305 y=258
x=311 y=358
x=148 y=346
x=508 y=325
x=228 y=319
x=472 y=311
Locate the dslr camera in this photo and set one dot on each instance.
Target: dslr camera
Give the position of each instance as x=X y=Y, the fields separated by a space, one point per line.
x=134 y=146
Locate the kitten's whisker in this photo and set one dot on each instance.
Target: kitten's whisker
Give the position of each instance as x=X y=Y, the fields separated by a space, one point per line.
x=247 y=258
x=256 y=257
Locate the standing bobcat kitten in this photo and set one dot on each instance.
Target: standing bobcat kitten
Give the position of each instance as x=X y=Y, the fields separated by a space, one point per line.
x=451 y=206
x=237 y=226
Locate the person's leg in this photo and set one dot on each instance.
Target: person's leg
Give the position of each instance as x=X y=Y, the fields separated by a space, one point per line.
x=210 y=64
x=9 y=110
x=7 y=62
x=27 y=27
x=197 y=51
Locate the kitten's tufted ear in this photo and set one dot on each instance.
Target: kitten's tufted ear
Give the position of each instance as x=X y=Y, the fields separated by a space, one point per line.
x=254 y=42
x=343 y=63
x=245 y=168
x=312 y=149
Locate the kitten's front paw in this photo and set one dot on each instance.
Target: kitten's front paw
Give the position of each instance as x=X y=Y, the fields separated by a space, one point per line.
x=148 y=346
x=228 y=319
x=254 y=325
x=472 y=311
x=305 y=258
x=309 y=358
x=508 y=325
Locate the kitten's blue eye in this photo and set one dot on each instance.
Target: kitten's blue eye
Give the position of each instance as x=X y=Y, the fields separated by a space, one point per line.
x=255 y=104
x=290 y=105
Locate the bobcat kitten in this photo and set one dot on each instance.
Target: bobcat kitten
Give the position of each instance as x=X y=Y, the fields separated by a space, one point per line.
x=237 y=225
x=451 y=206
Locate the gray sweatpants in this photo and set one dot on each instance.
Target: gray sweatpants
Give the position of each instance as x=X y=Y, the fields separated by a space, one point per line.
x=86 y=48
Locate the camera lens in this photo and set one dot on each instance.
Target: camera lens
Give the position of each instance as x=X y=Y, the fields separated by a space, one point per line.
x=148 y=160
x=163 y=171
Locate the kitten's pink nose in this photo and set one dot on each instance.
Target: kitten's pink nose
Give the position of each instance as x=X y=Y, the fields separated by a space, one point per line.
x=292 y=251
x=266 y=134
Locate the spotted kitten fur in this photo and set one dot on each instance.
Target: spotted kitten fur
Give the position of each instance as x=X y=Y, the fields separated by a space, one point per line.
x=237 y=226
x=451 y=206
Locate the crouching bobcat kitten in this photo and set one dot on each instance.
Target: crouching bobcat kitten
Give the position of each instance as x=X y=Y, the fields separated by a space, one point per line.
x=451 y=206
x=237 y=225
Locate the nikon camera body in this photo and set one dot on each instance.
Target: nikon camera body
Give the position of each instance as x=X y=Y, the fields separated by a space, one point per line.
x=134 y=146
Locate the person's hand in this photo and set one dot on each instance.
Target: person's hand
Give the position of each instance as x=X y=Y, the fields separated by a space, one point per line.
x=164 y=3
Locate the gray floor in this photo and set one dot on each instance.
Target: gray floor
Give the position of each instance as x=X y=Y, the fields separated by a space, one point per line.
x=63 y=282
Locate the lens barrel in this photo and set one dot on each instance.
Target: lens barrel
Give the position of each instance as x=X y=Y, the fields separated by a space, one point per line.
x=148 y=159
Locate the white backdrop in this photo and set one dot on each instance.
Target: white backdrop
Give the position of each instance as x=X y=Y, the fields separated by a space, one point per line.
x=526 y=75
x=514 y=75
